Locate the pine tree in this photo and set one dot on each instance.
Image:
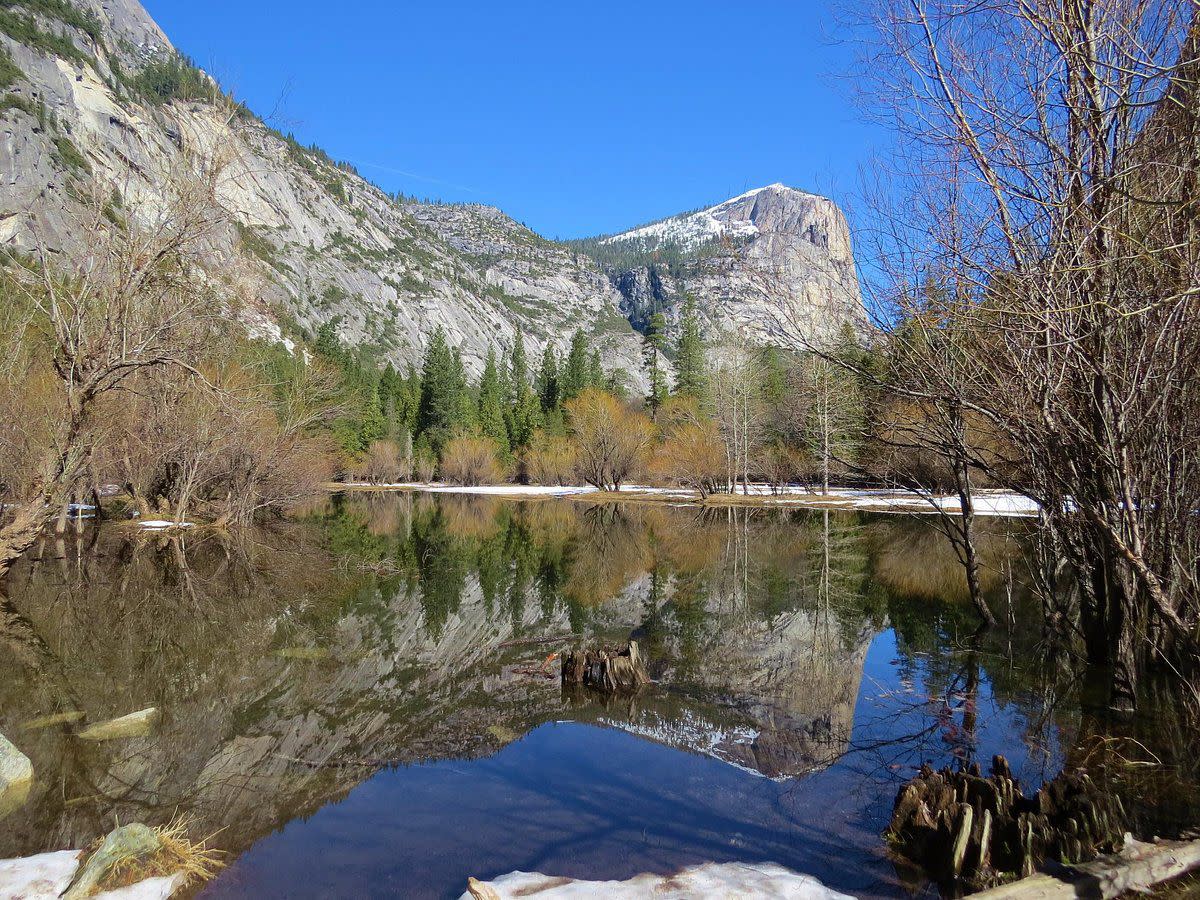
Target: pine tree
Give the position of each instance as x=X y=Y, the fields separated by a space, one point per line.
x=465 y=418
x=518 y=368
x=390 y=388
x=440 y=409
x=575 y=369
x=653 y=344
x=327 y=343
x=595 y=370
x=547 y=381
x=374 y=423
x=691 y=375
x=524 y=406
x=491 y=404
x=774 y=376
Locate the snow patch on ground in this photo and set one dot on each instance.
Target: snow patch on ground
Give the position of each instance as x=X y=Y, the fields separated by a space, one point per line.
x=160 y=524
x=150 y=889
x=46 y=875
x=987 y=503
x=503 y=490
x=756 y=881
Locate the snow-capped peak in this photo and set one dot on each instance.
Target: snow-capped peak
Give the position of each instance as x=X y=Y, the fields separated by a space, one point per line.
x=693 y=230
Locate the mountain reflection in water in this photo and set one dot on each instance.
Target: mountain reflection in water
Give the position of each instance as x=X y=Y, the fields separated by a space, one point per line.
x=355 y=674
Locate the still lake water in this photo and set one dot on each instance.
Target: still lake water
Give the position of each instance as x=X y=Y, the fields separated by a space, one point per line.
x=354 y=706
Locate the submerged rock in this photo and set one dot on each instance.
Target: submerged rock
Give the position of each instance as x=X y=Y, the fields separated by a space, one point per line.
x=756 y=881
x=136 y=724
x=63 y=718
x=303 y=652
x=16 y=777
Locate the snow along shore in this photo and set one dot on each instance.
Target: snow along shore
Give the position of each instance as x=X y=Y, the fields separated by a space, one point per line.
x=47 y=875
x=750 y=881
x=987 y=503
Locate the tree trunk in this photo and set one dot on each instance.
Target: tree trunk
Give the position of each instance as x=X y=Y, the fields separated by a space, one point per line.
x=23 y=531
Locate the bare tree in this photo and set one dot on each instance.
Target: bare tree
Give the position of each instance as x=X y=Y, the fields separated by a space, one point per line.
x=133 y=299
x=612 y=442
x=740 y=411
x=1047 y=179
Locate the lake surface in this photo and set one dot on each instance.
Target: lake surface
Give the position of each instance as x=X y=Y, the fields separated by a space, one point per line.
x=359 y=704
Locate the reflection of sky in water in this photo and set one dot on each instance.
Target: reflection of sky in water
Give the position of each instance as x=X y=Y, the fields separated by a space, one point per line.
x=574 y=799
x=390 y=628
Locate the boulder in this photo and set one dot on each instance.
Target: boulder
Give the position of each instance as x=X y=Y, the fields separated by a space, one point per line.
x=63 y=718
x=16 y=777
x=129 y=842
x=136 y=724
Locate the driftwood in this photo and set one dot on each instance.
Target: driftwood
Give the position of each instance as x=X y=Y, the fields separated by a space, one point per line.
x=606 y=669
x=969 y=832
x=1137 y=867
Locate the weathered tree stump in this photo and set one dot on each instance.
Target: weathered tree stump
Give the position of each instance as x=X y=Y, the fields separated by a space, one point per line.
x=606 y=669
x=967 y=831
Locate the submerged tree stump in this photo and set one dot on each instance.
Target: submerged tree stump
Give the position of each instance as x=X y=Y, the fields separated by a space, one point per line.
x=968 y=831
x=606 y=669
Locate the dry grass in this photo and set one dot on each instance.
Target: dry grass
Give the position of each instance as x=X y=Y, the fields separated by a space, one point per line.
x=1187 y=886
x=177 y=853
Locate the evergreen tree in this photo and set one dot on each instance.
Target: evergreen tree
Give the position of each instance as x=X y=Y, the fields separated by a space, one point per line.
x=691 y=375
x=465 y=418
x=547 y=381
x=595 y=370
x=390 y=388
x=653 y=344
x=408 y=400
x=523 y=411
x=575 y=369
x=518 y=368
x=774 y=376
x=491 y=404
x=374 y=424
x=440 y=409
x=327 y=343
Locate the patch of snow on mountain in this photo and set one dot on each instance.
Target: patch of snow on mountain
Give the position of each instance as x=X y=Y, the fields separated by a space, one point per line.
x=695 y=229
x=692 y=733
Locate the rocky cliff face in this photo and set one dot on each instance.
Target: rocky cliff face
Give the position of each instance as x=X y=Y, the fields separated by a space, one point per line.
x=308 y=241
x=312 y=240
x=773 y=265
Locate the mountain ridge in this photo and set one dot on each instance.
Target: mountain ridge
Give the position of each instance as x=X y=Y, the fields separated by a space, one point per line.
x=103 y=97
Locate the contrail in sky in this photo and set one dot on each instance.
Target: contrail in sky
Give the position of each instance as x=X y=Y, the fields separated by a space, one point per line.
x=407 y=174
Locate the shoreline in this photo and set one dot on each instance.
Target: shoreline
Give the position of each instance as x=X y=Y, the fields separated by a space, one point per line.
x=996 y=503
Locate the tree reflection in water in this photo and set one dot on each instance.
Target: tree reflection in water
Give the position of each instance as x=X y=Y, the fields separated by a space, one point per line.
x=293 y=664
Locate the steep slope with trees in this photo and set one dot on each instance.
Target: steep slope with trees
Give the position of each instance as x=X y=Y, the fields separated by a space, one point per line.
x=94 y=99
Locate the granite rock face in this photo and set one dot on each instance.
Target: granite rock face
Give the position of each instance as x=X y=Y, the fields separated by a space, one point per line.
x=16 y=777
x=773 y=265
x=308 y=241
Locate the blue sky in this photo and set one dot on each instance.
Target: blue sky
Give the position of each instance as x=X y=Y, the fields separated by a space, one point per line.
x=575 y=118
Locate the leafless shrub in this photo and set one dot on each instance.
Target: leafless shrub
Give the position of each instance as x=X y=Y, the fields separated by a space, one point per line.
x=612 y=442
x=471 y=459
x=551 y=460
